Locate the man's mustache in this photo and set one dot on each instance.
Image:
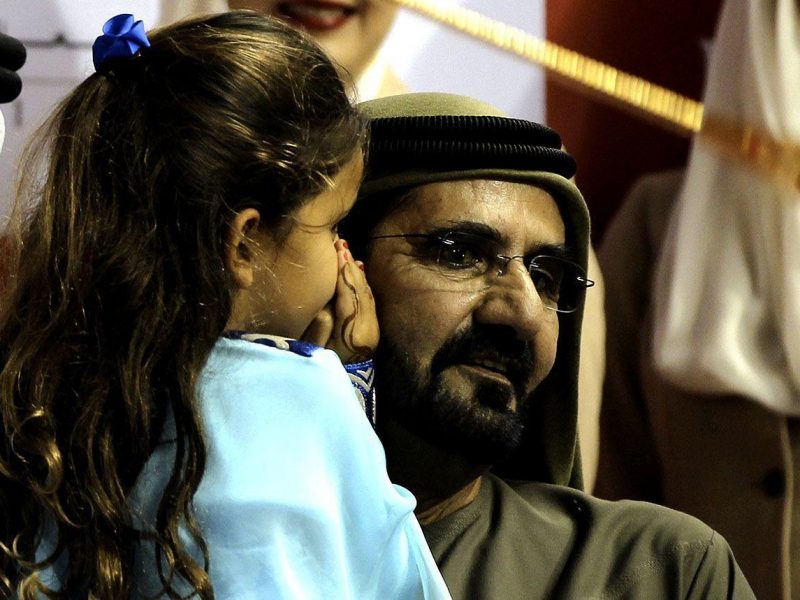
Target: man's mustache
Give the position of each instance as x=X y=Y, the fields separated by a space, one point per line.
x=490 y=344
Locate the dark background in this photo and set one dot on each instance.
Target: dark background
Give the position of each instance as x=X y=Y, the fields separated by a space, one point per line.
x=659 y=40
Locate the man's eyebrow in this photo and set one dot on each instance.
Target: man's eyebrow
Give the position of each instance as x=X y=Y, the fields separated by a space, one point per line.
x=557 y=250
x=472 y=227
x=493 y=235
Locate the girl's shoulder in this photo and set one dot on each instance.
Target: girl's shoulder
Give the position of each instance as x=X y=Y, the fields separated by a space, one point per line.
x=297 y=358
x=261 y=371
x=241 y=351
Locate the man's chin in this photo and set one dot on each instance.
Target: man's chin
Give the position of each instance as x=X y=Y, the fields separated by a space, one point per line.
x=457 y=423
x=487 y=388
x=469 y=415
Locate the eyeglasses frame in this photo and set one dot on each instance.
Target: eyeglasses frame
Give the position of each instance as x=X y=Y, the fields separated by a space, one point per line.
x=506 y=259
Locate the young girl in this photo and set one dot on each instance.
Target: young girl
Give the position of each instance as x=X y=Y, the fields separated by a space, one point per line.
x=155 y=442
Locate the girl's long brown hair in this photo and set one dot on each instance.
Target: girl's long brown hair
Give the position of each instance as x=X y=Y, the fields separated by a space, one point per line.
x=117 y=290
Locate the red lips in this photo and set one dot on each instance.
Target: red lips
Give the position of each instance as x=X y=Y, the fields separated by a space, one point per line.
x=314 y=15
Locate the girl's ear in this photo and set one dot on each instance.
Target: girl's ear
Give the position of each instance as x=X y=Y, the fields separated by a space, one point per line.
x=239 y=250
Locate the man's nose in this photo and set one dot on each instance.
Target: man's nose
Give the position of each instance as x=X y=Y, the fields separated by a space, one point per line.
x=511 y=299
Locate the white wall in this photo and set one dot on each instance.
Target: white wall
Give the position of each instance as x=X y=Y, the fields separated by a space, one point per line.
x=430 y=57
x=58 y=35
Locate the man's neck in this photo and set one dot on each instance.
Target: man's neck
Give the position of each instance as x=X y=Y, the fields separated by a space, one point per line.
x=441 y=481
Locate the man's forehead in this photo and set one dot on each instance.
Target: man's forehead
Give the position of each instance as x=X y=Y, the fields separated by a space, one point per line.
x=511 y=206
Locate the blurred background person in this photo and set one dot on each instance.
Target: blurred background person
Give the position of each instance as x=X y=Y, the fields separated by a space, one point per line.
x=351 y=32
x=367 y=37
x=701 y=409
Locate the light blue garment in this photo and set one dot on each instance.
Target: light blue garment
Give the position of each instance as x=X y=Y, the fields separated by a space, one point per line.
x=295 y=501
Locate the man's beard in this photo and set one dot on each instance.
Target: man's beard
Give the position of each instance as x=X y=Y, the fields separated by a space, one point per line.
x=480 y=424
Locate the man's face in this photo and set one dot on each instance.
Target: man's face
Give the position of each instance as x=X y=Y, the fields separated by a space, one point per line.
x=460 y=353
x=350 y=31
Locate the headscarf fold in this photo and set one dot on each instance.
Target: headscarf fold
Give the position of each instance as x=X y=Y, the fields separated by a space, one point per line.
x=727 y=287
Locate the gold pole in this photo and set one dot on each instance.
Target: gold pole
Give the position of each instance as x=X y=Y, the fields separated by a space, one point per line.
x=756 y=149
x=665 y=105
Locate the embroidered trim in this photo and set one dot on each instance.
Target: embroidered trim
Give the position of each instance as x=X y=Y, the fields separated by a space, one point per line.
x=275 y=341
x=362 y=376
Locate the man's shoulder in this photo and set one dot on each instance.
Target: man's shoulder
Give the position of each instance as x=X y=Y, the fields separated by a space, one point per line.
x=599 y=548
x=618 y=519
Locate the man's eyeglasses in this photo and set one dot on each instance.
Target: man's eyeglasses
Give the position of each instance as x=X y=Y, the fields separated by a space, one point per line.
x=461 y=255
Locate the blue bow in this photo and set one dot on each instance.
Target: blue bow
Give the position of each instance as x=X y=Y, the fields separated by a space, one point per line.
x=122 y=38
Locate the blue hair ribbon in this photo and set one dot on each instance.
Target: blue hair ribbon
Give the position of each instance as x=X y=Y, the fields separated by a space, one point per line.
x=123 y=37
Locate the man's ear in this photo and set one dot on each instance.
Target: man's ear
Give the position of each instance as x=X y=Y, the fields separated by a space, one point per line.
x=239 y=250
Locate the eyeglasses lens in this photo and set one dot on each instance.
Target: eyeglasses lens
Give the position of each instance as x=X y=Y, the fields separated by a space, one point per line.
x=560 y=282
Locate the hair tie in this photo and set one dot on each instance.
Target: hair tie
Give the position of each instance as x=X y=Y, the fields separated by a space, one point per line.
x=122 y=38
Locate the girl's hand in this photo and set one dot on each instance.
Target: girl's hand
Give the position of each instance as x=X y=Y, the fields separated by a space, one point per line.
x=348 y=325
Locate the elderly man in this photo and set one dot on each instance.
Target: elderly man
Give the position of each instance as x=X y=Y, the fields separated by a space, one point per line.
x=475 y=244
x=352 y=32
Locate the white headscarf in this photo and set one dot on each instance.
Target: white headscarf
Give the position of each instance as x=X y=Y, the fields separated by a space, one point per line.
x=2 y=130
x=727 y=286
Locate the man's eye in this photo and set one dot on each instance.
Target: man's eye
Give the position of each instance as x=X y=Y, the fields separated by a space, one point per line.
x=548 y=284
x=456 y=254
